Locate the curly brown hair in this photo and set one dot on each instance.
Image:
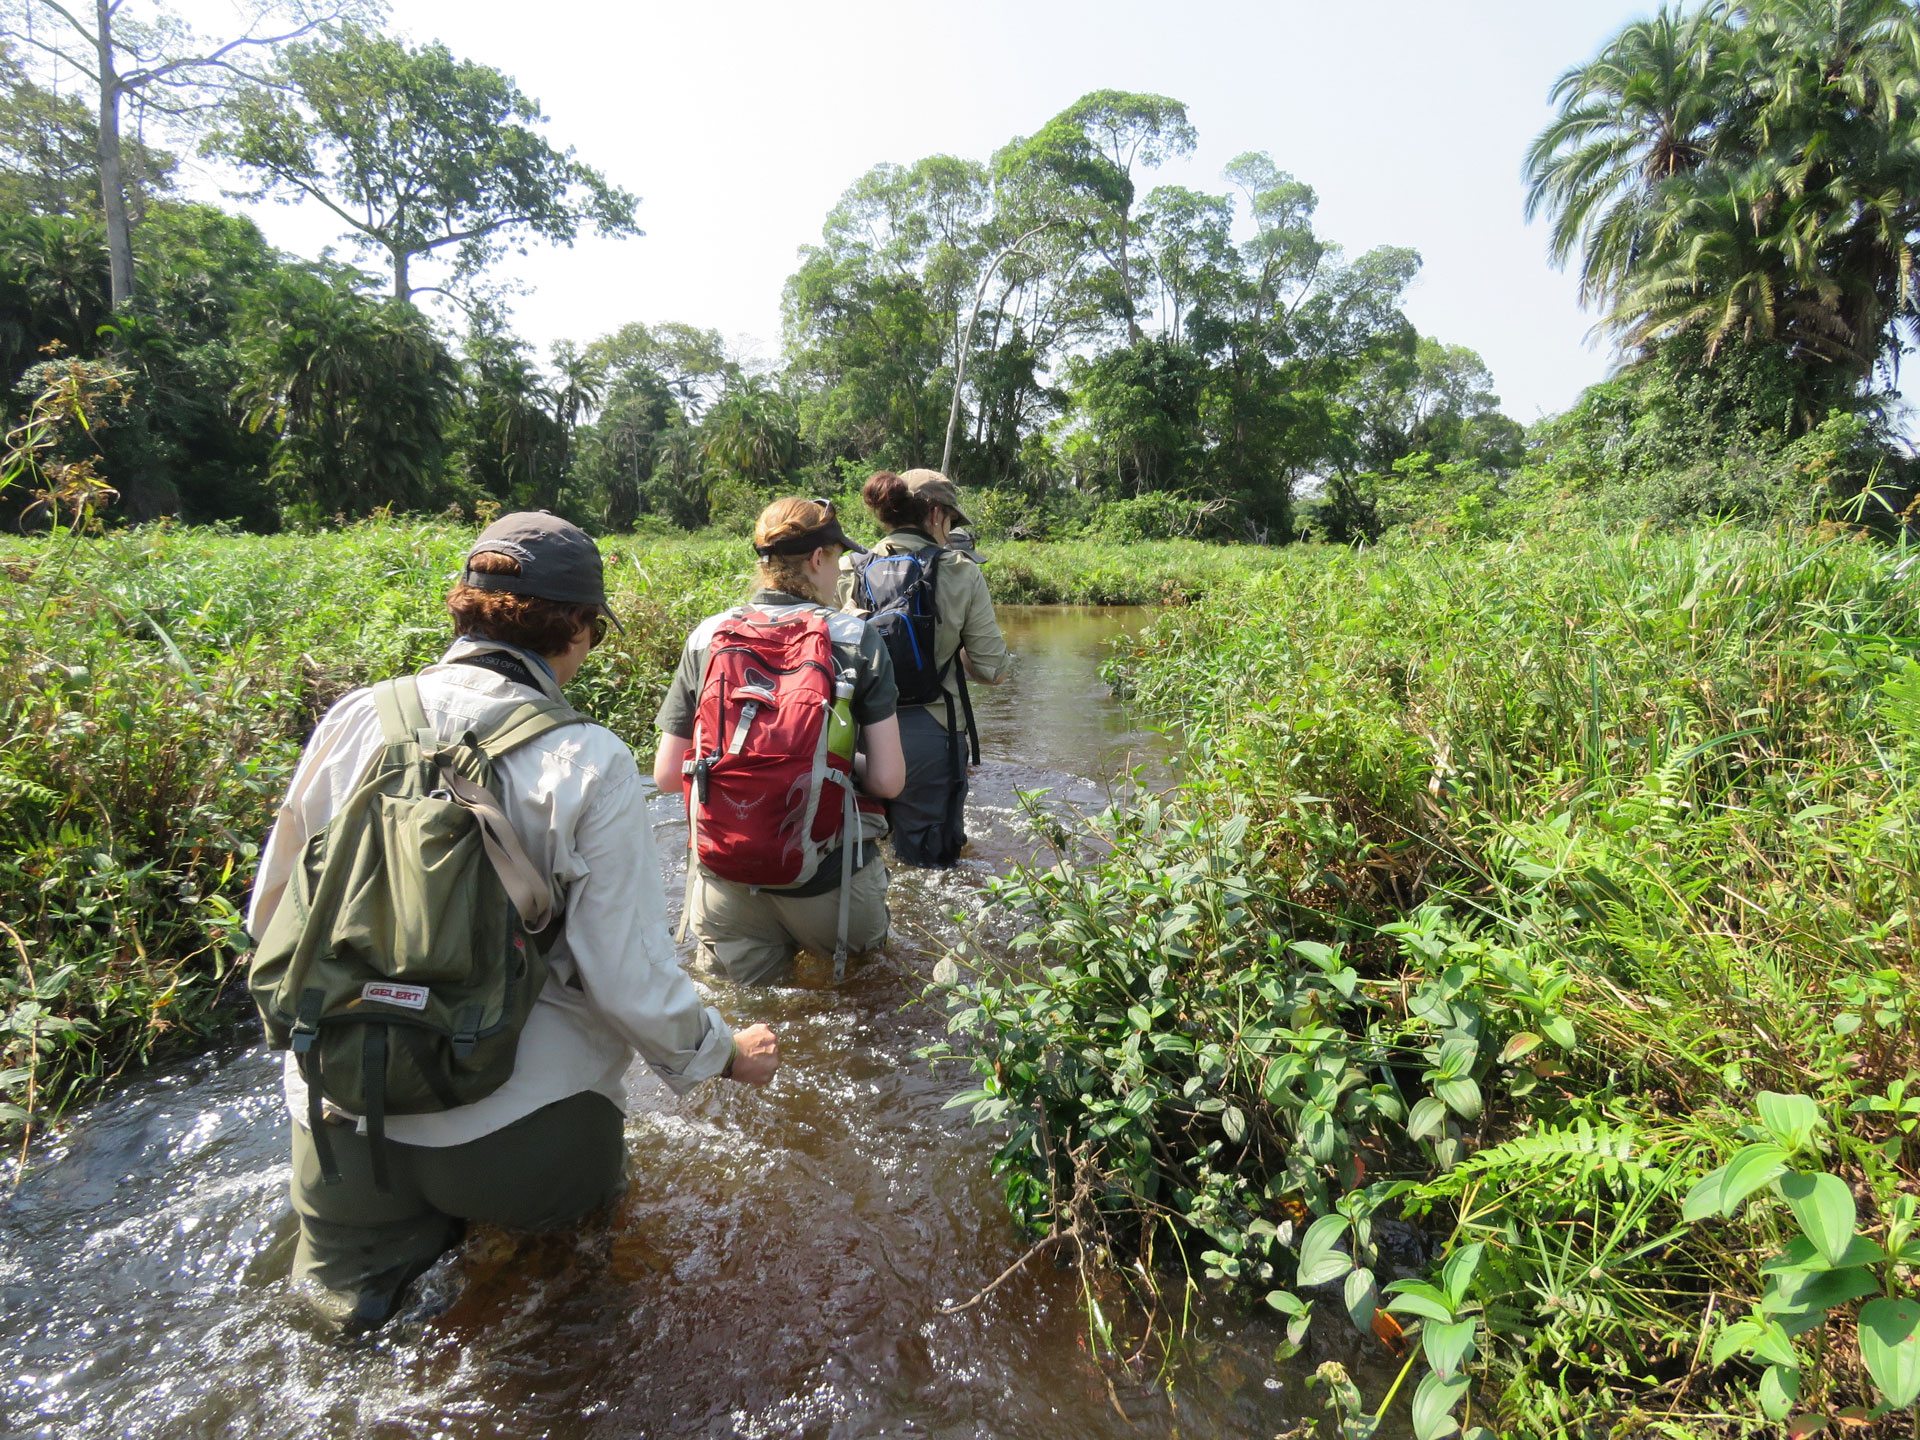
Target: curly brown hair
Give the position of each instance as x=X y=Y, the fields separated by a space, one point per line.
x=546 y=627
x=892 y=503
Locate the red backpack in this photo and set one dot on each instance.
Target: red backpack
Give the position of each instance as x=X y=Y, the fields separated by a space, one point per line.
x=770 y=770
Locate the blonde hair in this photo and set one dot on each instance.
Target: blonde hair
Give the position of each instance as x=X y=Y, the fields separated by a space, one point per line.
x=781 y=519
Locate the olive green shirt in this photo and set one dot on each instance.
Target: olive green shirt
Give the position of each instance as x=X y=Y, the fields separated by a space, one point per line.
x=962 y=605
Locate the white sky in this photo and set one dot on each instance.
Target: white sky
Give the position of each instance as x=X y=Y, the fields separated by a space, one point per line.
x=740 y=124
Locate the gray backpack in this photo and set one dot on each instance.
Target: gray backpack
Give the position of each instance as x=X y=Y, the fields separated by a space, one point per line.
x=402 y=962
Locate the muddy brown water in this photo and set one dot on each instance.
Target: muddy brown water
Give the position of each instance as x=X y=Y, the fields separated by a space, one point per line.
x=779 y=1266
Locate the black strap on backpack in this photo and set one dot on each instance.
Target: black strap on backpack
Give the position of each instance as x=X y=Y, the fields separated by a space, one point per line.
x=931 y=580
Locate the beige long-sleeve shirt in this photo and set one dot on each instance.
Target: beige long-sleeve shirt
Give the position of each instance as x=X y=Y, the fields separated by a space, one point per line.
x=965 y=609
x=616 y=988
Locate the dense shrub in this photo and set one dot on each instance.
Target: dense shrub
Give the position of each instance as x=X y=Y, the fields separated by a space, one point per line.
x=1516 y=889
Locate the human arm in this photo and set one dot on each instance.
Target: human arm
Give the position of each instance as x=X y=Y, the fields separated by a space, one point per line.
x=616 y=934
x=675 y=723
x=983 y=649
x=881 y=765
x=668 y=757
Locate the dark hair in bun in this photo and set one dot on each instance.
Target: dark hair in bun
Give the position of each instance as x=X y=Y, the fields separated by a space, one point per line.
x=890 y=501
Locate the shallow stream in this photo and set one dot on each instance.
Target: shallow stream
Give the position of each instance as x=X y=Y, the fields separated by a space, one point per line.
x=779 y=1266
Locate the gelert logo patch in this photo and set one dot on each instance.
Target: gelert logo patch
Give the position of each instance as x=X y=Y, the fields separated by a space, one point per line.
x=412 y=997
x=756 y=682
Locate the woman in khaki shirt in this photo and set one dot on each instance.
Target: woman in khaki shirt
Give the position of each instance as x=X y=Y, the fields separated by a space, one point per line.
x=917 y=510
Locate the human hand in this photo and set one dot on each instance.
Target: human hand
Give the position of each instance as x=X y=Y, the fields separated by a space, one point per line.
x=756 y=1055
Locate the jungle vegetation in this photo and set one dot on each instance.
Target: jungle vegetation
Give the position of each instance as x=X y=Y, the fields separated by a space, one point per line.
x=1515 y=996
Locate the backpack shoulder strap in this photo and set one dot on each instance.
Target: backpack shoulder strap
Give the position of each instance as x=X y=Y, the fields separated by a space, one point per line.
x=525 y=723
x=397 y=703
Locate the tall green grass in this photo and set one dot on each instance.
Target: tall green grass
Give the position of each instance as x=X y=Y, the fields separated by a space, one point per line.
x=1513 y=890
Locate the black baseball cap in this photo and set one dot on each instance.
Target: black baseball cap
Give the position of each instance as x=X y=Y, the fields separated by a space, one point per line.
x=558 y=560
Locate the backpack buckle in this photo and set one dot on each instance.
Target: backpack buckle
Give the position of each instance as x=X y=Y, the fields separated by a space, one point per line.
x=468 y=1035
x=306 y=1020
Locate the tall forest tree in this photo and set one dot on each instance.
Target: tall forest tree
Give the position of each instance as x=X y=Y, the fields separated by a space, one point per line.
x=1080 y=168
x=155 y=66
x=416 y=152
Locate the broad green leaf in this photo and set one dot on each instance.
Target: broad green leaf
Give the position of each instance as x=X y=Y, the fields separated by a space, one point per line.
x=1560 y=1031
x=1800 y=1254
x=1362 y=1297
x=1462 y=1097
x=1517 y=1046
x=1417 y=1297
x=1722 y=1192
x=1457 y=1274
x=1320 y=1135
x=1762 y=1339
x=1427 y=1118
x=1738 y=1338
x=1890 y=1346
x=1319 y=1260
x=1433 y=1406
x=1793 y=1120
x=1447 y=1344
x=1456 y=1058
x=1779 y=1388
x=1286 y=1302
x=1234 y=1121
x=1817 y=1292
x=1824 y=1207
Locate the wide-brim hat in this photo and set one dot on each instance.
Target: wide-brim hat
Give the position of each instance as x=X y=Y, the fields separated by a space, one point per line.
x=936 y=489
x=558 y=561
x=961 y=538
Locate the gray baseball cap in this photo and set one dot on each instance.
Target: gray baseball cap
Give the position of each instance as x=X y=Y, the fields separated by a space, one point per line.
x=558 y=560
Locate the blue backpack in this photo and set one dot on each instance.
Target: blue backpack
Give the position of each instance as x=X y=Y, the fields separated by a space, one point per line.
x=899 y=595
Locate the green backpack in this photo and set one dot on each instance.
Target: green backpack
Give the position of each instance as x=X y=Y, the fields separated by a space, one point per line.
x=411 y=943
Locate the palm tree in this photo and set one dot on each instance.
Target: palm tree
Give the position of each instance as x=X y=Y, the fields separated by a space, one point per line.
x=1711 y=269
x=356 y=392
x=1635 y=119
x=755 y=434
x=1750 y=173
x=1834 y=89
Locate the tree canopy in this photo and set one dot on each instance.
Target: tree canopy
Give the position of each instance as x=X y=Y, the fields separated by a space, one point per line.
x=415 y=151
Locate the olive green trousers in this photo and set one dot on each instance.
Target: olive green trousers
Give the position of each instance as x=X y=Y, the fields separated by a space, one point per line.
x=360 y=1248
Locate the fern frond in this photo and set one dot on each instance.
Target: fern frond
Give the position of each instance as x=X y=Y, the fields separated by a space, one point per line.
x=1581 y=1157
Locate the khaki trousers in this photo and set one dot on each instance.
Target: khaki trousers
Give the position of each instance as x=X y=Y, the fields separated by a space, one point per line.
x=751 y=936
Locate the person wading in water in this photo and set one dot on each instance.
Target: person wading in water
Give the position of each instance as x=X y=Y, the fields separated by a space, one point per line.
x=913 y=588
x=382 y=1191
x=779 y=730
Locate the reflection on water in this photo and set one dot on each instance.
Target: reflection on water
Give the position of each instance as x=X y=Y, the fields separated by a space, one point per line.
x=778 y=1266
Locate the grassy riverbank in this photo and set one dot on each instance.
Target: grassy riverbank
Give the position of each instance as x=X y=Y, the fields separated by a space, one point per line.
x=1516 y=890
x=157 y=686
